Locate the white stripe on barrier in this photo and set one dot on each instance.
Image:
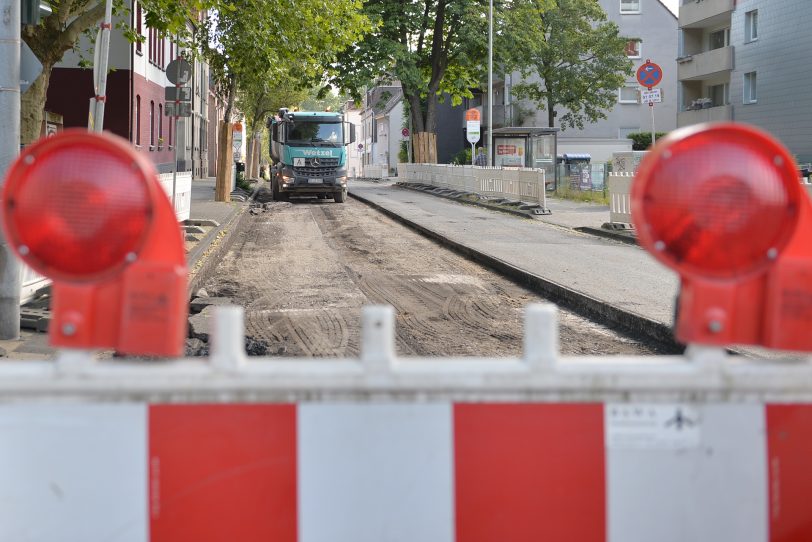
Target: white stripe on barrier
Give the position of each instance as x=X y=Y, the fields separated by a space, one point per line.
x=375 y=472
x=73 y=473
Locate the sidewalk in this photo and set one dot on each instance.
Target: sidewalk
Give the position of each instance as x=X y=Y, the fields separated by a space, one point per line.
x=200 y=249
x=613 y=280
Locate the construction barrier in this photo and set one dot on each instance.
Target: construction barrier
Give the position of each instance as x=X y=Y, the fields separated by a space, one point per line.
x=183 y=192
x=620 y=202
x=373 y=171
x=523 y=184
x=30 y=283
x=693 y=448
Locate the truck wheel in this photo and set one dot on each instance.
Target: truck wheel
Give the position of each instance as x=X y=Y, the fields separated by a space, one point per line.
x=340 y=196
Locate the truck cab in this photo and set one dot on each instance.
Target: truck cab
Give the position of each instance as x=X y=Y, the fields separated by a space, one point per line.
x=309 y=154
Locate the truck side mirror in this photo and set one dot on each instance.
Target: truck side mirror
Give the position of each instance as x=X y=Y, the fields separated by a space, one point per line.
x=275 y=132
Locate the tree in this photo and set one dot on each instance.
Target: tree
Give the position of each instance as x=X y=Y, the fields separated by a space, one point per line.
x=273 y=41
x=60 y=31
x=257 y=104
x=570 y=58
x=433 y=47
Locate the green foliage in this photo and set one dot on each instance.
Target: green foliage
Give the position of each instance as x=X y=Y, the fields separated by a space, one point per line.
x=577 y=54
x=278 y=44
x=462 y=158
x=432 y=47
x=592 y=196
x=403 y=152
x=642 y=140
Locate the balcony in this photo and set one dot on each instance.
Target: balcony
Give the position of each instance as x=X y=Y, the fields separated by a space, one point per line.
x=705 y=13
x=712 y=114
x=705 y=65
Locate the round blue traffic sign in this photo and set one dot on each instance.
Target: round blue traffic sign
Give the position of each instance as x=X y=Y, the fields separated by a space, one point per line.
x=649 y=74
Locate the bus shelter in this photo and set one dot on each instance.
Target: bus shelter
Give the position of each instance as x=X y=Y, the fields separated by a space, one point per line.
x=532 y=147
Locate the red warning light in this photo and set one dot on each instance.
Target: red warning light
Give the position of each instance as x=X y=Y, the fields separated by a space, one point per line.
x=722 y=205
x=78 y=207
x=719 y=202
x=86 y=210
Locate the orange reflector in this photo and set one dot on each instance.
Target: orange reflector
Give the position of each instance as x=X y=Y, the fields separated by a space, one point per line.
x=717 y=200
x=77 y=207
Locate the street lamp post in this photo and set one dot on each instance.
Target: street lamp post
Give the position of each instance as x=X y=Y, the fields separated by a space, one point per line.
x=490 y=82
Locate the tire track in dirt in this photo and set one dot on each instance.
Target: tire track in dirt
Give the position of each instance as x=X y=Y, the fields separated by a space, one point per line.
x=304 y=272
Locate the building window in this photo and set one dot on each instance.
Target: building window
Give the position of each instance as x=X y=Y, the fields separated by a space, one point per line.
x=139 y=28
x=630 y=6
x=718 y=95
x=138 y=120
x=633 y=49
x=151 y=124
x=623 y=133
x=160 y=125
x=628 y=95
x=171 y=124
x=751 y=25
x=719 y=39
x=750 y=93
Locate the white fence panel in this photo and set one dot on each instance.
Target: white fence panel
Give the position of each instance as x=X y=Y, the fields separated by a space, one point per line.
x=514 y=183
x=620 y=203
x=183 y=192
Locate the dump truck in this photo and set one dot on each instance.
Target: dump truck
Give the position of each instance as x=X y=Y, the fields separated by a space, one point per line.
x=309 y=154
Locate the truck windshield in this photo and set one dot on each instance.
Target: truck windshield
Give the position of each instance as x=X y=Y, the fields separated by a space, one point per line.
x=316 y=133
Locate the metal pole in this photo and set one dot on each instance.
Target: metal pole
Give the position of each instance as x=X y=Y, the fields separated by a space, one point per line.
x=175 y=120
x=490 y=82
x=103 y=43
x=653 y=133
x=9 y=149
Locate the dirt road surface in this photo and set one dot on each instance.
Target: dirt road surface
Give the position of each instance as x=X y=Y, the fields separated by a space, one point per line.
x=303 y=271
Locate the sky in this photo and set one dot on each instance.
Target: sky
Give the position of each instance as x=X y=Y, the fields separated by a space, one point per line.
x=672 y=4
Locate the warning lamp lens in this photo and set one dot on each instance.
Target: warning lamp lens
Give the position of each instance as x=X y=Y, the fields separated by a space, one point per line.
x=77 y=205
x=717 y=200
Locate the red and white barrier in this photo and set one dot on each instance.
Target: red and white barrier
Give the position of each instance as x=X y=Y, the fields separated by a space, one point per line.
x=437 y=471
x=695 y=448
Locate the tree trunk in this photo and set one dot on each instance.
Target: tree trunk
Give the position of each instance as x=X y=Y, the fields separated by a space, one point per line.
x=249 y=155
x=225 y=152
x=32 y=106
x=225 y=160
x=550 y=111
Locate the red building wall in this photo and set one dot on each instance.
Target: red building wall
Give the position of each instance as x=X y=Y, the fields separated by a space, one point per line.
x=69 y=94
x=161 y=155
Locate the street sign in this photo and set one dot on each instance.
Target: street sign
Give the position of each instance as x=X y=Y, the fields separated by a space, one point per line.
x=651 y=96
x=182 y=109
x=179 y=72
x=472 y=125
x=405 y=132
x=30 y=67
x=472 y=131
x=649 y=74
x=182 y=94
